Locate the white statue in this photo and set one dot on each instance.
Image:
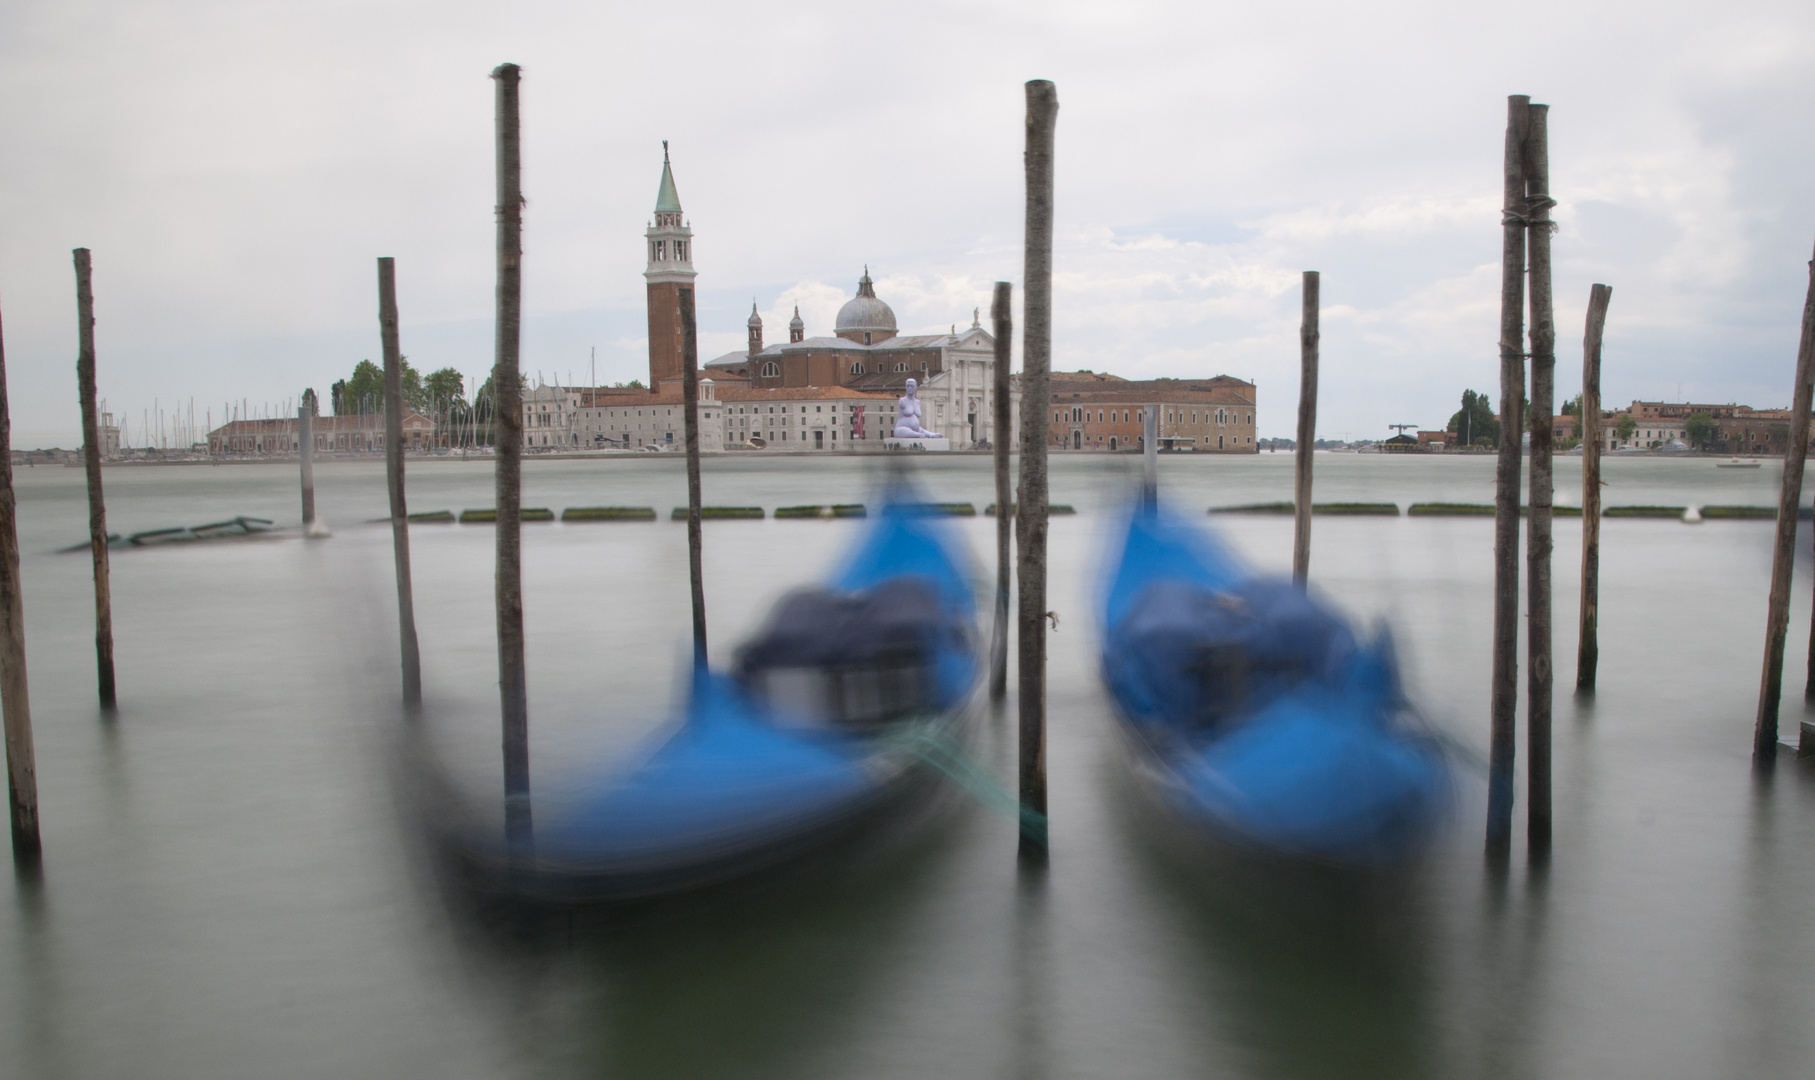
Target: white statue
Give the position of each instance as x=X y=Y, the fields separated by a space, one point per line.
x=908 y=416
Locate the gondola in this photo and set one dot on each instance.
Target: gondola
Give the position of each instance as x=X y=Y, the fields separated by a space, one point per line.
x=817 y=731
x=1254 y=712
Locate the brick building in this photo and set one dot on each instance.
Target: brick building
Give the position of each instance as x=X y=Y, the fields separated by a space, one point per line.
x=346 y=434
x=1739 y=429
x=1093 y=411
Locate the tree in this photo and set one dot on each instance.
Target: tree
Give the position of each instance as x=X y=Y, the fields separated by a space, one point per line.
x=1625 y=427
x=1573 y=407
x=1700 y=428
x=445 y=387
x=1475 y=423
x=364 y=391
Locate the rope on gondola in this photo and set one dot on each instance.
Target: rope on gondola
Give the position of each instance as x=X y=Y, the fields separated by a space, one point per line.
x=954 y=762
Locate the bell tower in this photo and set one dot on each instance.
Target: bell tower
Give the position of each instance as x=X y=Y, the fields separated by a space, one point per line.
x=670 y=254
x=756 y=331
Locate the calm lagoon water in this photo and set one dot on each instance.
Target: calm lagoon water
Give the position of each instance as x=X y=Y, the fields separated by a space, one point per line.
x=228 y=889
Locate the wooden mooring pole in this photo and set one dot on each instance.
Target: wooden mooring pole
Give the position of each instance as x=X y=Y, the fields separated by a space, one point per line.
x=1308 y=335
x=1504 y=695
x=411 y=658
x=15 y=696
x=1588 y=646
x=305 y=430
x=91 y=460
x=1538 y=543
x=1030 y=515
x=1783 y=557
x=690 y=421
x=507 y=421
x=1001 y=436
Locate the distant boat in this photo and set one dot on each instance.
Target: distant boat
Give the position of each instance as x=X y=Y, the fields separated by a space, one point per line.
x=1736 y=463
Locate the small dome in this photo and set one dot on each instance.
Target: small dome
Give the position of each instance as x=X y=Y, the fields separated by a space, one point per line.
x=756 y=321
x=864 y=312
x=795 y=323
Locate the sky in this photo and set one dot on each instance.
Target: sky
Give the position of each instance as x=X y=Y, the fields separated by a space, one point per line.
x=236 y=168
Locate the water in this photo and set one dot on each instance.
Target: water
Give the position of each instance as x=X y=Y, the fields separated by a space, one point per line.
x=228 y=889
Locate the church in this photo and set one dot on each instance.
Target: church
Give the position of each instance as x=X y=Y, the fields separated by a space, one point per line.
x=840 y=391
x=864 y=365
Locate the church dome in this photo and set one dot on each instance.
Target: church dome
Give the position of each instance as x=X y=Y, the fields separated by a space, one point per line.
x=864 y=313
x=756 y=321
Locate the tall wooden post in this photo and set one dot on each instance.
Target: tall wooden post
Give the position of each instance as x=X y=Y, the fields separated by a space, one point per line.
x=507 y=420
x=1030 y=515
x=305 y=439
x=1538 y=544
x=1150 y=453
x=1588 y=647
x=690 y=421
x=15 y=696
x=1504 y=697
x=91 y=459
x=1002 y=319
x=1783 y=557
x=393 y=471
x=1308 y=335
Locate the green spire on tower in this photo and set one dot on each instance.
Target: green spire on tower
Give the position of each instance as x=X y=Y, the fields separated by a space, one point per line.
x=667 y=200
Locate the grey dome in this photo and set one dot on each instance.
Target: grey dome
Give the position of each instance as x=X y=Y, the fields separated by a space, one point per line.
x=865 y=312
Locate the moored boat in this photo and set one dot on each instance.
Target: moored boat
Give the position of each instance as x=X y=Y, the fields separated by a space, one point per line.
x=1254 y=712
x=815 y=734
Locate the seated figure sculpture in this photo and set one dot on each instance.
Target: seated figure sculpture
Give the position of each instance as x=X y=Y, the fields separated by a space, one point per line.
x=907 y=416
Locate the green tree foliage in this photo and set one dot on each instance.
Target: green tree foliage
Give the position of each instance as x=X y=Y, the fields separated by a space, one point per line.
x=1625 y=427
x=1475 y=423
x=1573 y=407
x=1700 y=427
x=363 y=392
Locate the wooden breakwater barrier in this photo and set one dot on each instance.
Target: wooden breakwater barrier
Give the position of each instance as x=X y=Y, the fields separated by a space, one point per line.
x=720 y=513
x=822 y=511
x=608 y=513
x=489 y=515
x=1453 y=509
x=1354 y=509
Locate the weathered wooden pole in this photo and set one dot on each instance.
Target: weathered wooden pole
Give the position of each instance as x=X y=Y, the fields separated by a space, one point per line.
x=15 y=696
x=393 y=471
x=690 y=421
x=1150 y=453
x=305 y=438
x=1003 y=423
x=1030 y=514
x=507 y=420
x=1538 y=542
x=1504 y=697
x=91 y=459
x=1588 y=647
x=1308 y=335
x=1783 y=558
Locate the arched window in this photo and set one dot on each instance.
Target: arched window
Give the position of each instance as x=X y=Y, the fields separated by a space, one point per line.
x=771 y=370
x=900 y=367
x=857 y=369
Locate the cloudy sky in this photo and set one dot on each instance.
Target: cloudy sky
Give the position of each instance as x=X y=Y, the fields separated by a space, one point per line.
x=236 y=167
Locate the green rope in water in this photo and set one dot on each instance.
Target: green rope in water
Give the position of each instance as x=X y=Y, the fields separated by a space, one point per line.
x=949 y=758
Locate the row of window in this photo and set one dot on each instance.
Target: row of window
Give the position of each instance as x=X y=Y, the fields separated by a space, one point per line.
x=658 y=251
x=1078 y=414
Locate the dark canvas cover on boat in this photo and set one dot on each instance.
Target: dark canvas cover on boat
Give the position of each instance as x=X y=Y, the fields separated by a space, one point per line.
x=898 y=619
x=1188 y=652
x=853 y=657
